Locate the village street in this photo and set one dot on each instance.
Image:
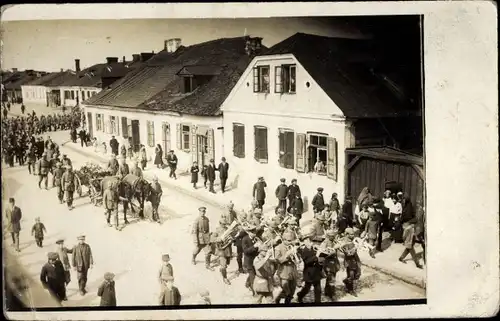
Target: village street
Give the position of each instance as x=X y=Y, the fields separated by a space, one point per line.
x=134 y=254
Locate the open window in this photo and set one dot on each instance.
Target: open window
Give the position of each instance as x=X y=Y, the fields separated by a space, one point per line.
x=261 y=79
x=285 y=79
x=286 y=148
x=239 y=140
x=317 y=153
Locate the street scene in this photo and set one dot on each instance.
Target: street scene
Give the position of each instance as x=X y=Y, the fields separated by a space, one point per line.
x=199 y=175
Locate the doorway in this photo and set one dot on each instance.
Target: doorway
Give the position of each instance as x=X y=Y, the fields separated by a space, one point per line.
x=166 y=138
x=202 y=150
x=90 y=127
x=136 y=140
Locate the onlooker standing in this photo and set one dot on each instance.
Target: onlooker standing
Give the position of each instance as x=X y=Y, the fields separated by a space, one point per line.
x=259 y=192
x=123 y=152
x=318 y=202
x=345 y=215
x=143 y=156
x=170 y=296
x=293 y=190
x=83 y=137
x=281 y=194
x=155 y=199
x=172 y=163
x=204 y=175
x=166 y=270
x=82 y=262
x=37 y=231
x=194 y=174
x=14 y=215
x=158 y=156
x=52 y=277
x=211 y=175
x=334 y=204
x=62 y=252
x=107 y=291
x=297 y=207
x=223 y=173
x=113 y=143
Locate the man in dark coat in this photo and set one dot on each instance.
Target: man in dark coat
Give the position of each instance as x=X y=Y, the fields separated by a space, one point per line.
x=43 y=170
x=281 y=194
x=62 y=253
x=223 y=173
x=293 y=191
x=259 y=192
x=346 y=215
x=172 y=163
x=82 y=262
x=53 y=278
x=170 y=295
x=82 y=136
x=113 y=143
x=69 y=184
x=201 y=235
x=318 y=202
x=13 y=219
x=156 y=194
x=312 y=269
x=211 y=175
x=250 y=252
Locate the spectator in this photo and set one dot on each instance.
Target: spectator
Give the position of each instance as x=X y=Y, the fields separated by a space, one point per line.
x=113 y=143
x=13 y=217
x=158 y=156
x=194 y=174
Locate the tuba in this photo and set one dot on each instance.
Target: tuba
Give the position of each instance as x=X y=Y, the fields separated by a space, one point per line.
x=229 y=235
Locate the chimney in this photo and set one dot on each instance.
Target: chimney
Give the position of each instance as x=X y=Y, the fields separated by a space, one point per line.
x=77 y=65
x=165 y=45
x=136 y=57
x=145 y=56
x=124 y=59
x=253 y=46
x=62 y=69
x=176 y=43
x=14 y=69
x=110 y=60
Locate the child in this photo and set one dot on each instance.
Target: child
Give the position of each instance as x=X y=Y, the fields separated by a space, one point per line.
x=107 y=291
x=363 y=217
x=166 y=271
x=37 y=231
x=170 y=295
x=123 y=152
x=194 y=174
x=204 y=175
x=104 y=148
x=351 y=262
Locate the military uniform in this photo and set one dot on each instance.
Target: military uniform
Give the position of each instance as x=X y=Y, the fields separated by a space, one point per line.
x=136 y=171
x=224 y=254
x=331 y=264
x=287 y=272
x=156 y=199
x=110 y=202
x=113 y=166
x=69 y=182
x=43 y=171
x=123 y=170
x=56 y=181
x=201 y=235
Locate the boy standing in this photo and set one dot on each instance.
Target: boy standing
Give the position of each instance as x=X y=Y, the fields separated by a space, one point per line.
x=170 y=296
x=166 y=271
x=107 y=291
x=37 y=231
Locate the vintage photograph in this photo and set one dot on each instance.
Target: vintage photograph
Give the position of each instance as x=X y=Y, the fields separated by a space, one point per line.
x=178 y=162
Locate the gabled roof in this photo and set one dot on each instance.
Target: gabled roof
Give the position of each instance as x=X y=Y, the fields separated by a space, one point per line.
x=119 y=69
x=342 y=68
x=42 y=80
x=197 y=70
x=155 y=85
x=20 y=78
x=88 y=77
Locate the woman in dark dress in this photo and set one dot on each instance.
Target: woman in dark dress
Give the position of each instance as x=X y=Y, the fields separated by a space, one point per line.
x=158 y=156
x=194 y=174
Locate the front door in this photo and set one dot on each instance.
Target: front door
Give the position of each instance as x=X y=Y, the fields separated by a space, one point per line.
x=166 y=138
x=202 y=149
x=136 y=140
x=89 y=122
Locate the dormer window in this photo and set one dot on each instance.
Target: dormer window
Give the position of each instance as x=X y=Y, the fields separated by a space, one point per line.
x=261 y=79
x=195 y=76
x=285 y=79
x=188 y=84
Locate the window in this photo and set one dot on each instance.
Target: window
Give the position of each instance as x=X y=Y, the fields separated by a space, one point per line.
x=72 y=94
x=188 y=84
x=83 y=95
x=151 y=133
x=286 y=145
x=261 y=79
x=98 y=121
x=285 y=79
x=239 y=140
x=113 y=124
x=318 y=156
x=67 y=94
x=260 y=134
x=185 y=137
x=124 y=127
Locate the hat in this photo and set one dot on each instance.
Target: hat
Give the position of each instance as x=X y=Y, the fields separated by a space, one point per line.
x=399 y=193
x=330 y=233
x=282 y=180
x=261 y=177
x=60 y=241
x=257 y=211
x=223 y=159
x=349 y=231
x=109 y=276
x=52 y=256
x=81 y=237
x=289 y=236
x=202 y=208
x=165 y=257
x=320 y=189
x=250 y=227
x=155 y=178
x=294 y=180
x=171 y=151
x=280 y=211
x=320 y=216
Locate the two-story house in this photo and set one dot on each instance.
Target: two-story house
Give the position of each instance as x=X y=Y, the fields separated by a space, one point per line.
x=294 y=112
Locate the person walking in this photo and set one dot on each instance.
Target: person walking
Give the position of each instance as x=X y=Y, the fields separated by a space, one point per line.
x=158 y=156
x=194 y=174
x=318 y=201
x=144 y=157
x=43 y=171
x=38 y=231
x=201 y=233
x=52 y=277
x=82 y=262
x=62 y=253
x=107 y=291
x=156 y=194
x=170 y=295
x=69 y=183
x=172 y=164
x=56 y=181
x=110 y=201
x=223 y=169
x=13 y=218
x=113 y=143
x=211 y=176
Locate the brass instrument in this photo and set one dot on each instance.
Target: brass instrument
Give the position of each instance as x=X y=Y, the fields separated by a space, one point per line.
x=229 y=235
x=287 y=218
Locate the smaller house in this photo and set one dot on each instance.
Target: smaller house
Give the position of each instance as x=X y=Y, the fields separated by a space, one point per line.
x=12 y=85
x=35 y=92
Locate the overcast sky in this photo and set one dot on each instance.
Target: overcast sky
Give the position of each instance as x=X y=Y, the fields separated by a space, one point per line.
x=54 y=44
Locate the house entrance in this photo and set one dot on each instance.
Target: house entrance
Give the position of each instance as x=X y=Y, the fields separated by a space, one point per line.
x=90 y=127
x=202 y=150
x=136 y=140
x=166 y=138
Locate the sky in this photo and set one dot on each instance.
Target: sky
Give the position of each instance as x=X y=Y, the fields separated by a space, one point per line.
x=49 y=45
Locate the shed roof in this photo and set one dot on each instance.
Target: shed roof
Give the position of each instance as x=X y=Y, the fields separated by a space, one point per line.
x=342 y=68
x=387 y=153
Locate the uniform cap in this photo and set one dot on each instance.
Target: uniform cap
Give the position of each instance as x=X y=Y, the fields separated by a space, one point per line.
x=211 y=160
x=81 y=237
x=109 y=276
x=165 y=257
x=320 y=189
x=60 y=241
x=294 y=180
x=330 y=233
x=261 y=177
x=280 y=211
x=257 y=211
x=52 y=256
x=282 y=180
x=202 y=208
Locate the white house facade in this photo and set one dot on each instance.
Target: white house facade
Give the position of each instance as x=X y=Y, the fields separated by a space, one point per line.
x=279 y=123
x=34 y=94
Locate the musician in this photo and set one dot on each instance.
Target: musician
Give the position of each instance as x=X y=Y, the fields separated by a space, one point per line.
x=56 y=181
x=351 y=262
x=312 y=268
x=201 y=233
x=279 y=217
x=230 y=215
x=270 y=232
x=318 y=202
x=66 y=161
x=250 y=246
x=287 y=267
x=264 y=270
x=239 y=249
x=113 y=165
x=69 y=183
x=223 y=252
x=256 y=218
x=136 y=170
x=281 y=194
x=331 y=264
x=123 y=168
x=318 y=223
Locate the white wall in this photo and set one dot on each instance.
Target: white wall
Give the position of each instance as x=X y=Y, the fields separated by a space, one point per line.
x=34 y=94
x=308 y=110
x=78 y=90
x=185 y=158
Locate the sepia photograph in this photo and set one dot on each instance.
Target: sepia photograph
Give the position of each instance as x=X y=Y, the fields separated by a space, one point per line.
x=177 y=163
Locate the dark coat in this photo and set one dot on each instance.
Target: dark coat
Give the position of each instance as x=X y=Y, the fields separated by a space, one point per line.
x=194 y=174
x=318 y=203
x=211 y=172
x=170 y=297
x=82 y=257
x=113 y=143
x=249 y=252
x=293 y=190
x=13 y=219
x=37 y=230
x=201 y=230
x=296 y=206
x=312 y=268
x=223 y=170
x=158 y=156
x=107 y=293
x=281 y=191
x=54 y=279
x=172 y=160
x=259 y=191
x=408 y=212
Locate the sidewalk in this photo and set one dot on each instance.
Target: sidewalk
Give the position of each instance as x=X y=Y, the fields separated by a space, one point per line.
x=386 y=262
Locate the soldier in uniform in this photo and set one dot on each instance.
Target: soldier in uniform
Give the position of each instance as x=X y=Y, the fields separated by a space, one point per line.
x=256 y=218
x=136 y=170
x=201 y=233
x=351 y=262
x=65 y=160
x=62 y=253
x=110 y=202
x=281 y=194
x=156 y=199
x=259 y=192
x=113 y=165
x=43 y=170
x=318 y=223
x=331 y=264
x=52 y=277
x=287 y=267
x=31 y=158
x=69 y=183
x=56 y=181
x=123 y=168
x=312 y=268
x=250 y=246
x=318 y=202
x=230 y=215
x=224 y=254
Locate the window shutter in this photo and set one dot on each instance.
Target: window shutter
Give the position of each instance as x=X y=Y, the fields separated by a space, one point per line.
x=194 y=145
x=179 y=136
x=278 y=86
x=242 y=141
x=300 y=142
x=289 y=142
x=332 y=158
x=236 y=144
x=256 y=79
x=256 y=143
x=282 y=152
x=124 y=127
x=211 y=147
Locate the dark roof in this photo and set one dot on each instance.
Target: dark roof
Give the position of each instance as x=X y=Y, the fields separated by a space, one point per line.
x=119 y=69
x=342 y=68
x=156 y=86
x=88 y=77
x=42 y=80
x=196 y=70
x=387 y=153
x=62 y=78
x=20 y=78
